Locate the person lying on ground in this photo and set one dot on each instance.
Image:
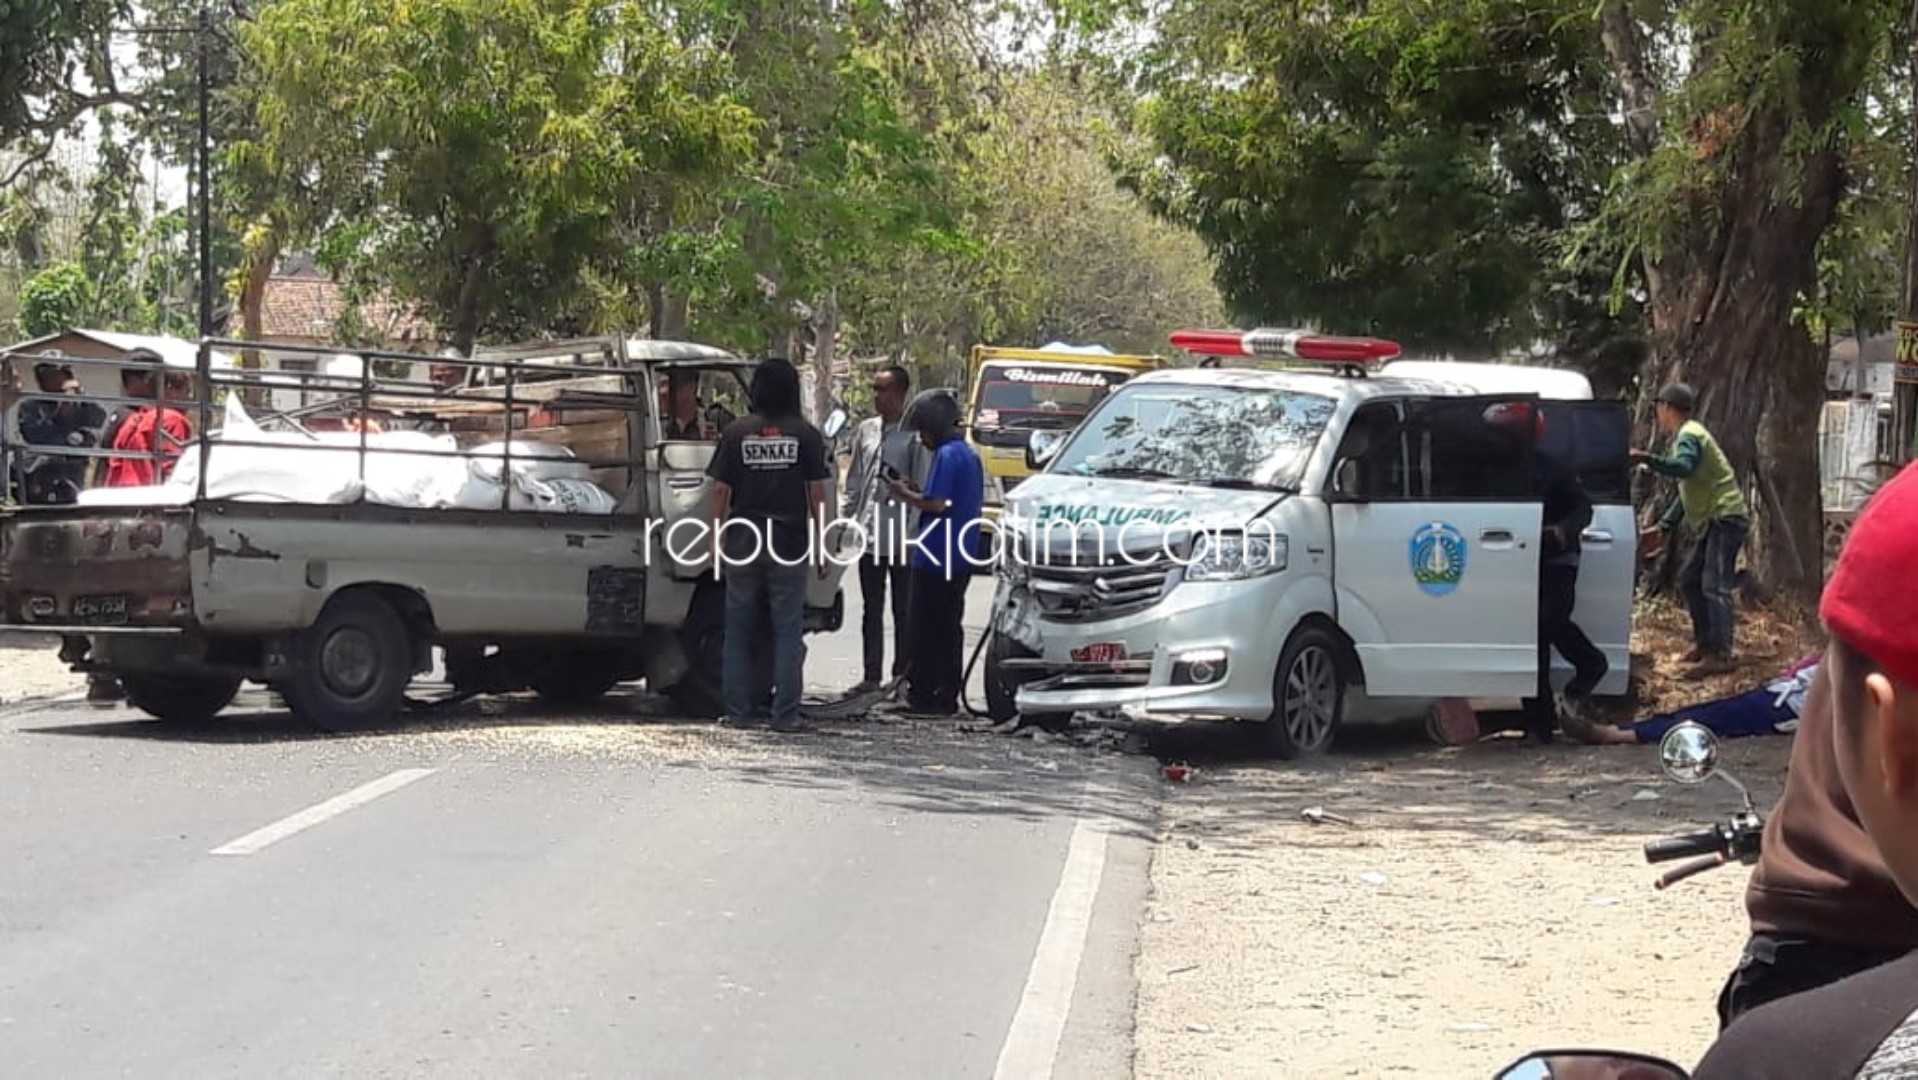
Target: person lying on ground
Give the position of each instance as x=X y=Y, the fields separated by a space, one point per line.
x=1772 y=709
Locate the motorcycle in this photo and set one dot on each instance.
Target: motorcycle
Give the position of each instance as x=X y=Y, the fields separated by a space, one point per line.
x=1688 y=754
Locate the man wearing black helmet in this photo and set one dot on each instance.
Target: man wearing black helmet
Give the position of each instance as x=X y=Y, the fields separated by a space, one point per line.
x=944 y=555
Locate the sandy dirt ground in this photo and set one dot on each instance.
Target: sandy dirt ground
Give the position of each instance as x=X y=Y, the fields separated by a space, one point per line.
x=1488 y=900
x=30 y=667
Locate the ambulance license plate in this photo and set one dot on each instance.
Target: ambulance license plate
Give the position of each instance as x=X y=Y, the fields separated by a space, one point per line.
x=1104 y=652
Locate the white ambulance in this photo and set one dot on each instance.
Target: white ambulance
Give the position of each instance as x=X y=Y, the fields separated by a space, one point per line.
x=1286 y=542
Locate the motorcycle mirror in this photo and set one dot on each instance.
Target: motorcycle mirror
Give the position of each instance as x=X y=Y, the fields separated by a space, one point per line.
x=1591 y=1065
x=1689 y=752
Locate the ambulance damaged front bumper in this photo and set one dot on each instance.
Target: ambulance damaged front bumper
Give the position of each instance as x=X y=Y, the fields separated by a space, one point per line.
x=1168 y=638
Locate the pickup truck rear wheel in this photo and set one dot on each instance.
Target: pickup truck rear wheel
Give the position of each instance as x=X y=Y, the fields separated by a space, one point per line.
x=352 y=666
x=177 y=699
x=1308 y=695
x=1002 y=685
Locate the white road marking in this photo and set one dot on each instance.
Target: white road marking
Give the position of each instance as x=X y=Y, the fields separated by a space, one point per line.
x=314 y=815
x=1033 y=1040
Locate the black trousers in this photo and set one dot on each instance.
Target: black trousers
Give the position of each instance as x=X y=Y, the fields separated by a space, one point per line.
x=874 y=578
x=938 y=641
x=1557 y=596
x=1775 y=967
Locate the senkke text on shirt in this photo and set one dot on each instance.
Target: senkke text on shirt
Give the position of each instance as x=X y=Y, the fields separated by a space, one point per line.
x=769 y=451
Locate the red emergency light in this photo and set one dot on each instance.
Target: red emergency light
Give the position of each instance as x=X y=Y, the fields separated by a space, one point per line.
x=1270 y=344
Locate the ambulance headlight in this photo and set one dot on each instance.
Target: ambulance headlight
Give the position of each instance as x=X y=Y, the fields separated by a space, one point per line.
x=1235 y=556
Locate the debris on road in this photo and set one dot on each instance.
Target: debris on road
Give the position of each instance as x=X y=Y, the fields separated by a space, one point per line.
x=1317 y=815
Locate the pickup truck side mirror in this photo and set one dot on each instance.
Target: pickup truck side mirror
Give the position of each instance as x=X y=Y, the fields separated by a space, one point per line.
x=1043 y=446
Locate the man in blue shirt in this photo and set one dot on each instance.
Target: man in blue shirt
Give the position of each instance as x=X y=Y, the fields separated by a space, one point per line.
x=945 y=554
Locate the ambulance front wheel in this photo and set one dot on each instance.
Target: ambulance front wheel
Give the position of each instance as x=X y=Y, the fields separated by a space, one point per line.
x=1308 y=695
x=1002 y=685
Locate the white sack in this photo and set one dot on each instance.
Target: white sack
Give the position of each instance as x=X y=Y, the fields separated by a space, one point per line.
x=563 y=496
x=531 y=461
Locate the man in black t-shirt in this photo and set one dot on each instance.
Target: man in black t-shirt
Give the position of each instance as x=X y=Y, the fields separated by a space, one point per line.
x=769 y=495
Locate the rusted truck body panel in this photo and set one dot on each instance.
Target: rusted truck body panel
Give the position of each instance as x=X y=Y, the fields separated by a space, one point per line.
x=248 y=568
x=120 y=568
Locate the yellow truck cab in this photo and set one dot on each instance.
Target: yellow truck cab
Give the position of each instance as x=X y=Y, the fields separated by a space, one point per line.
x=1013 y=392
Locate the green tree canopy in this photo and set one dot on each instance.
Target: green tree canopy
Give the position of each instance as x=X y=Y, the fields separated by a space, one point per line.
x=479 y=154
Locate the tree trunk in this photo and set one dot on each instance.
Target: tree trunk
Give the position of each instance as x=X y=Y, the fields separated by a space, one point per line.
x=1722 y=299
x=1904 y=406
x=825 y=352
x=466 y=306
x=259 y=270
x=1724 y=323
x=671 y=324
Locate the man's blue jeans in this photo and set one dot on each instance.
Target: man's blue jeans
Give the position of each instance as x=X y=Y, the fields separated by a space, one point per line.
x=764 y=587
x=1706 y=579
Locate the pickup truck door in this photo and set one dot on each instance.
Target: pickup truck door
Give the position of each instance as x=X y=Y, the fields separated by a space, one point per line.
x=1435 y=532
x=1595 y=438
x=685 y=508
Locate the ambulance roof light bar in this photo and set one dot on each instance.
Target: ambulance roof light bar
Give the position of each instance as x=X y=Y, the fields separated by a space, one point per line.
x=1347 y=355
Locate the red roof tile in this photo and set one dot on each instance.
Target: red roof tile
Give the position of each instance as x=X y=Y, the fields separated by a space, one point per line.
x=309 y=307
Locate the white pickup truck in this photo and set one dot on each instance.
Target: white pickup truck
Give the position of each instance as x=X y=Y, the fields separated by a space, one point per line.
x=334 y=590
x=1272 y=545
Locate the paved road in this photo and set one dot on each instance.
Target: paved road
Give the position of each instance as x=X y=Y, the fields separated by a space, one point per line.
x=498 y=891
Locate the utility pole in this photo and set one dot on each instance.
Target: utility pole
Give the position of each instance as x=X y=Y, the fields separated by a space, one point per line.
x=204 y=149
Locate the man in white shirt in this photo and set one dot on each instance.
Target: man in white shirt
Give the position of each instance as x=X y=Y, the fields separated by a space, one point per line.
x=879 y=444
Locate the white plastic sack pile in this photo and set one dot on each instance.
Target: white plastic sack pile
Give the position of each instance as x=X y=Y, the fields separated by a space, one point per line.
x=324 y=468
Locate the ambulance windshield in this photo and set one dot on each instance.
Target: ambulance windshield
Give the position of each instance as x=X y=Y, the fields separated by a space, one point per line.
x=1225 y=436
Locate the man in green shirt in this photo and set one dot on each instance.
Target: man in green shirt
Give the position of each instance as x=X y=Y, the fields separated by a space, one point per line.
x=1713 y=509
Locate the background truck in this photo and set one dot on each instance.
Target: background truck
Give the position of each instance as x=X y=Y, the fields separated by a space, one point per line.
x=1011 y=393
x=529 y=522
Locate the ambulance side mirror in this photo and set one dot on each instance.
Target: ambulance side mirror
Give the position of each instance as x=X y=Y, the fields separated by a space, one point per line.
x=1346 y=483
x=1043 y=446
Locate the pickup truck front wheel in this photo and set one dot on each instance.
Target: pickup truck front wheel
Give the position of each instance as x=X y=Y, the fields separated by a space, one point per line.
x=352 y=666
x=175 y=699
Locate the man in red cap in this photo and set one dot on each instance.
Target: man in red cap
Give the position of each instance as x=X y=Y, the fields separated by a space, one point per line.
x=1567 y=511
x=1845 y=850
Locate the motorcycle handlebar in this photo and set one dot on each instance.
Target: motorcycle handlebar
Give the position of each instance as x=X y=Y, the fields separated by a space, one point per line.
x=1705 y=842
x=1696 y=866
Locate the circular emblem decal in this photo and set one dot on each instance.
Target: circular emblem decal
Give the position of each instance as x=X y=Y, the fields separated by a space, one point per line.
x=1438 y=558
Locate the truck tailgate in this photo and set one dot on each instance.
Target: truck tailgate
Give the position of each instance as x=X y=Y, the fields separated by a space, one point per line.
x=105 y=566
